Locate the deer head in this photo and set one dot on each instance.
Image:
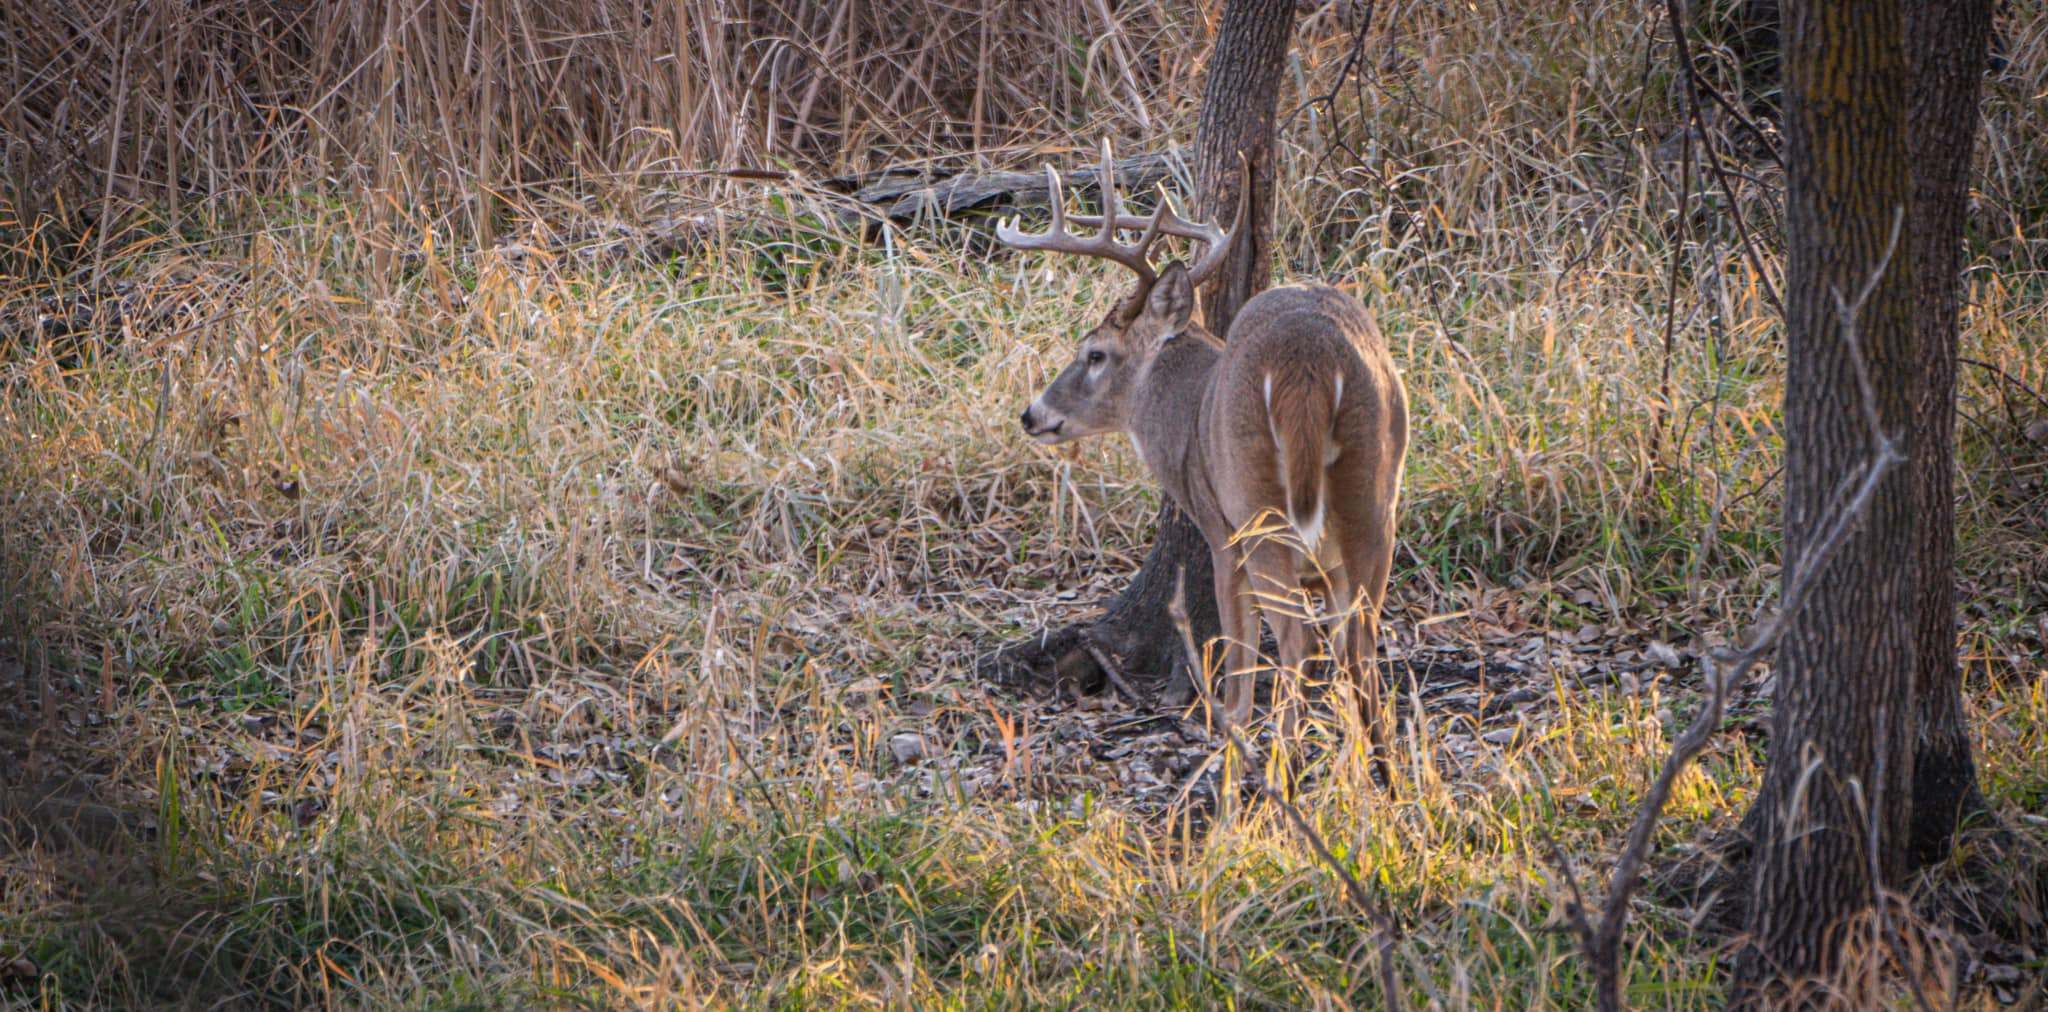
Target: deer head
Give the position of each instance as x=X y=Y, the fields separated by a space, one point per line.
x=1092 y=394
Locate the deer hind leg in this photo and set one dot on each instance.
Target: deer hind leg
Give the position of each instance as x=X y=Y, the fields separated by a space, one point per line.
x=1354 y=646
x=1356 y=595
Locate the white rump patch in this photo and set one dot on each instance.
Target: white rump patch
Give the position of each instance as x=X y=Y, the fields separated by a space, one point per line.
x=1311 y=530
x=1273 y=430
x=1331 y=451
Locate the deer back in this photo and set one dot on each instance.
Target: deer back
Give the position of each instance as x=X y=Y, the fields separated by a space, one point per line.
x=1305 y=404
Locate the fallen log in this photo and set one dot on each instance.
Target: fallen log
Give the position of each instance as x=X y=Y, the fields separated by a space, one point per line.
x=904 y=195
x=899 y=195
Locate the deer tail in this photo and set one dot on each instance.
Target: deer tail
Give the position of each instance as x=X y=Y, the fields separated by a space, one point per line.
x=1302 y=415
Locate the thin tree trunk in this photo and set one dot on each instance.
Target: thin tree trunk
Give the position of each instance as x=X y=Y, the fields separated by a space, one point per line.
x=1239 y=97
x=1832 y=813
x=1136 y=632
x=1945 y=42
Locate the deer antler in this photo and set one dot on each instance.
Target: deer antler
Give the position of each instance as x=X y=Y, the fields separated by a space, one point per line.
x=1103 y=243
x=1216 y=243
x=1166 y=220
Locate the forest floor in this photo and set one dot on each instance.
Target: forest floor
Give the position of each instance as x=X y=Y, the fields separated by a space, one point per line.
x=534 y=629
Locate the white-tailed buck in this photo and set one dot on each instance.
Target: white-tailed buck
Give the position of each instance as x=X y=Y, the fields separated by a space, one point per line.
x=1283 y=443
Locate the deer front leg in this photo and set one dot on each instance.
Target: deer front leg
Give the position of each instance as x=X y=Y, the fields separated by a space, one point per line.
x=1240 y=623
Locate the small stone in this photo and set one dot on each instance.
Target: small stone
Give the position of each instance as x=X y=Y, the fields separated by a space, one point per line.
x=1663 y=653
x=906 y=747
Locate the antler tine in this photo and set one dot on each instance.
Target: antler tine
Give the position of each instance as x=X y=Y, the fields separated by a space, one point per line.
x=1059 y=200
x=1112 y=201
x=1111 y=219
x=1010 y=235
x=1115 y=199
x=1217 y=242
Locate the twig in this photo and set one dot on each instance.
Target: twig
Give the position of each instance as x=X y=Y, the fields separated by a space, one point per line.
x=1354 y=60
x=1691 y=77
x=1384 y=930
x=1763 y=140
x=1574 y=908
x=1712 y=533
x=1114 y=674
x=1671 y=281
x=2004 y=376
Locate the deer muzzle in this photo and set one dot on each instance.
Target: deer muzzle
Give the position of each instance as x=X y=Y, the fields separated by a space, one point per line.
x=1042 y=424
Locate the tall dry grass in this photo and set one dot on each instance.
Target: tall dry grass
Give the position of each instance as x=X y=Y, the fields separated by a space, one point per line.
x=441 y=623
x=470 y=103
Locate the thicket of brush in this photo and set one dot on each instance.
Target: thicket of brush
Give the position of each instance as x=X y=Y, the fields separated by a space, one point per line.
x=444 y=621
x=486 y=101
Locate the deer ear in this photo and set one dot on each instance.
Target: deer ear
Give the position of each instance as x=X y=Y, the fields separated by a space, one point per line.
x=1172 y=300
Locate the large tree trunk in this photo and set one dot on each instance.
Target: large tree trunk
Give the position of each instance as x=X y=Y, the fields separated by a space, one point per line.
x=1137 y=633
x=1840 y=765
x=1945 y=43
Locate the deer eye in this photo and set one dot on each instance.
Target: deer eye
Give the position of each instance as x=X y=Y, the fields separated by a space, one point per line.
x=1095 y=358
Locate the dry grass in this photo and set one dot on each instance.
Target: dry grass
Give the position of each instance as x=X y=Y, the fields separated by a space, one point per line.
x=468 y=104
x=438 y=627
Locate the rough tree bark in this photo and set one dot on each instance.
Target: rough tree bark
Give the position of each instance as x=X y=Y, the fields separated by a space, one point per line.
x=1136 y=633
x=1946 y=42
x=1832 y=811
x=1749 y=28
x=1239 y=96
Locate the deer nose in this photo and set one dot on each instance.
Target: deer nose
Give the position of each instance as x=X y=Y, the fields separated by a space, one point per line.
x=1026 y=419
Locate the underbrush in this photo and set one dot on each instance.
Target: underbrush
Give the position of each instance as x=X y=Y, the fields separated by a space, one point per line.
x=442 y=625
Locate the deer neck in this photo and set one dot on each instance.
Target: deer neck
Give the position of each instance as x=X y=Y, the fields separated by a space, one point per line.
x=1166 y=420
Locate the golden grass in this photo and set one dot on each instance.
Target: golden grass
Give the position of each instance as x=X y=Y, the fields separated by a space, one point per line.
x=447 y=628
